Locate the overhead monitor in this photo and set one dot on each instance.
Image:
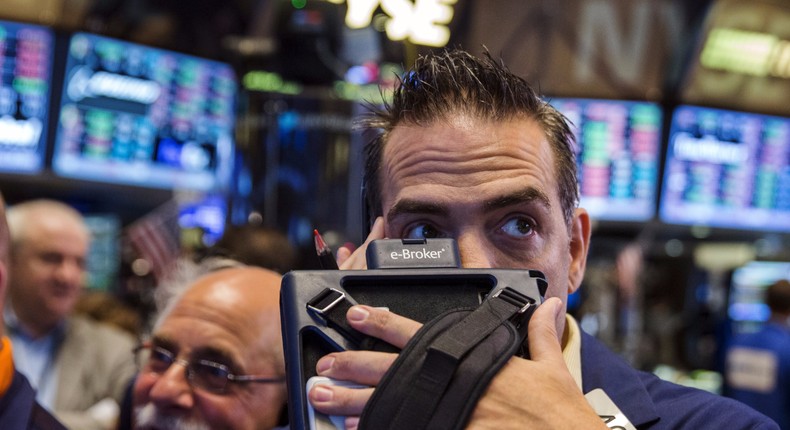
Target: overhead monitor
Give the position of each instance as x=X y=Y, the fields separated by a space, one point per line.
x=137 y=115
x=747 y=308
x=727 y=169
x=741 y=57
x=26 y=53
x=618 y=153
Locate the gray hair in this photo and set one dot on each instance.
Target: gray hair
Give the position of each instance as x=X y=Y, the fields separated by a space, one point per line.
x=183 y=275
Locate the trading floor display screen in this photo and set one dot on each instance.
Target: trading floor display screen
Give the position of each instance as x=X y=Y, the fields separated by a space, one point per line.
x=26 y=53
x=727 y=169
x=747 y=308
x=618 y=149
x=143 y=116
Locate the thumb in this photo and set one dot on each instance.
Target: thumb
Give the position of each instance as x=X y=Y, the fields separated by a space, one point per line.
x=544 y=341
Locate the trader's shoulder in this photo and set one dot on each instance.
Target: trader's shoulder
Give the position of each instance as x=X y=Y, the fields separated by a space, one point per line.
x=685 y=407
x=99 y=333
x=41 y=419
x=650 y=402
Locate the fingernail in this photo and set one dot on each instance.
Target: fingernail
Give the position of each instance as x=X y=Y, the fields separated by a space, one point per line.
x=357 y=314
x=324 y=364
x=322 y=394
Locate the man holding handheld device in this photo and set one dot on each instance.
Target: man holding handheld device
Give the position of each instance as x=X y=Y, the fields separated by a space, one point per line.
x=467 y=150
x=475 y=319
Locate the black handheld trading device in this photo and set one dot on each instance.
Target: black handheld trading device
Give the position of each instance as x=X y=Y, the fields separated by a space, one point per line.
x=418 y=279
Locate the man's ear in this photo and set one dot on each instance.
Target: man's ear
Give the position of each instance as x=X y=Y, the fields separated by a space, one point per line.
x=579 y=246
x=3 y=292
x=3 y=282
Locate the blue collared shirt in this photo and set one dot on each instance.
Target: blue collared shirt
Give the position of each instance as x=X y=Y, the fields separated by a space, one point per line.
x=35 y=358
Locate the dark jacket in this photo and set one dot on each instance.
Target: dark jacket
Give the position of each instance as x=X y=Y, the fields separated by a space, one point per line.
x=19 y=409
x=652 y=403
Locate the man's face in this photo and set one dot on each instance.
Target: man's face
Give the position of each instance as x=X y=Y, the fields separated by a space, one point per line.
x=224 y=325
x=493 y=188
x=48 y=269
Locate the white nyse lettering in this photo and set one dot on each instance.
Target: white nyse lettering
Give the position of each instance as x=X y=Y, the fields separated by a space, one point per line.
x=360 y=13
x=422 y=21
x=431 y=17
x=602 y=37
x=401 y=17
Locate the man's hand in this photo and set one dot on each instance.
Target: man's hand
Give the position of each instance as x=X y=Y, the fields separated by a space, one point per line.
x=347 y=260
x=536 y=393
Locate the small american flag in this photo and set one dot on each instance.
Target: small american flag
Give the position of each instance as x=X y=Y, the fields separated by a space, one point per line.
x=156 y=236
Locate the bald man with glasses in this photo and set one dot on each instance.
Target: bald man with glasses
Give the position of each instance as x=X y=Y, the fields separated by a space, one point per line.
x=214 y=358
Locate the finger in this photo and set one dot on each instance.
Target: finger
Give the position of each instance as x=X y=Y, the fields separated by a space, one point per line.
x=360 y=367
x=376 y=230
x=357 y=260
x=352 y=423
x=544 y=343
x=382 y=324
x=342 y=255
x=337 y=400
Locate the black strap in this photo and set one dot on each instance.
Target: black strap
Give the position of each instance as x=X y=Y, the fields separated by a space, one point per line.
x=423 y=388
x=331 y=306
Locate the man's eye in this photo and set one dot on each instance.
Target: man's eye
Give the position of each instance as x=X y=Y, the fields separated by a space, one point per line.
x=211 y=374
x=518 y=227
x=160 y=359
x=51 y=258
x=422 y=231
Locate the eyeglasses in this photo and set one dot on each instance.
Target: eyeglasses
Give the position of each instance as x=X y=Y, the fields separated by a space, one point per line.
x=203 y=374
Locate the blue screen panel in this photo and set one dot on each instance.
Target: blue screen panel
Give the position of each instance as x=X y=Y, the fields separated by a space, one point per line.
x=137 y=115
x=26 y=53
x=747 y=308
x=727 y=169
x=618 y=153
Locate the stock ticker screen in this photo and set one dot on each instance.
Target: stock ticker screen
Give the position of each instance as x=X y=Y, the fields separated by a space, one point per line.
x=26 y=53
x=727 y=169
x=137 y=115
x=618 y=146
x=747 y=307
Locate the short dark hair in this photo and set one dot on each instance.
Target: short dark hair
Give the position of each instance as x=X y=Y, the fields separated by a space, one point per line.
x=777 y=297
x=453 y=81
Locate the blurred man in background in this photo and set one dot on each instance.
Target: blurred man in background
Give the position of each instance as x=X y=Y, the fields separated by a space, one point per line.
x=18 y=407
x=79 y=367
x=260 y=246
x=214 y=359
x=758 y=364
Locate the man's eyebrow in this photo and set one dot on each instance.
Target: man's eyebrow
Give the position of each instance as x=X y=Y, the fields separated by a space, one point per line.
x=216 y=355
x=164 y=342
x=408 y=206
x=203 y=353
x=527 y=195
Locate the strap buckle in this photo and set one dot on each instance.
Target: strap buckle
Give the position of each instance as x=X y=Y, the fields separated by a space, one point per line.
x=324 y=301
x=515 y=298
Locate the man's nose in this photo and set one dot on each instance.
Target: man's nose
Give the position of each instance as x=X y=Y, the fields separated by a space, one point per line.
x=70 y=271
x=474 y=250
x=172 y=388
